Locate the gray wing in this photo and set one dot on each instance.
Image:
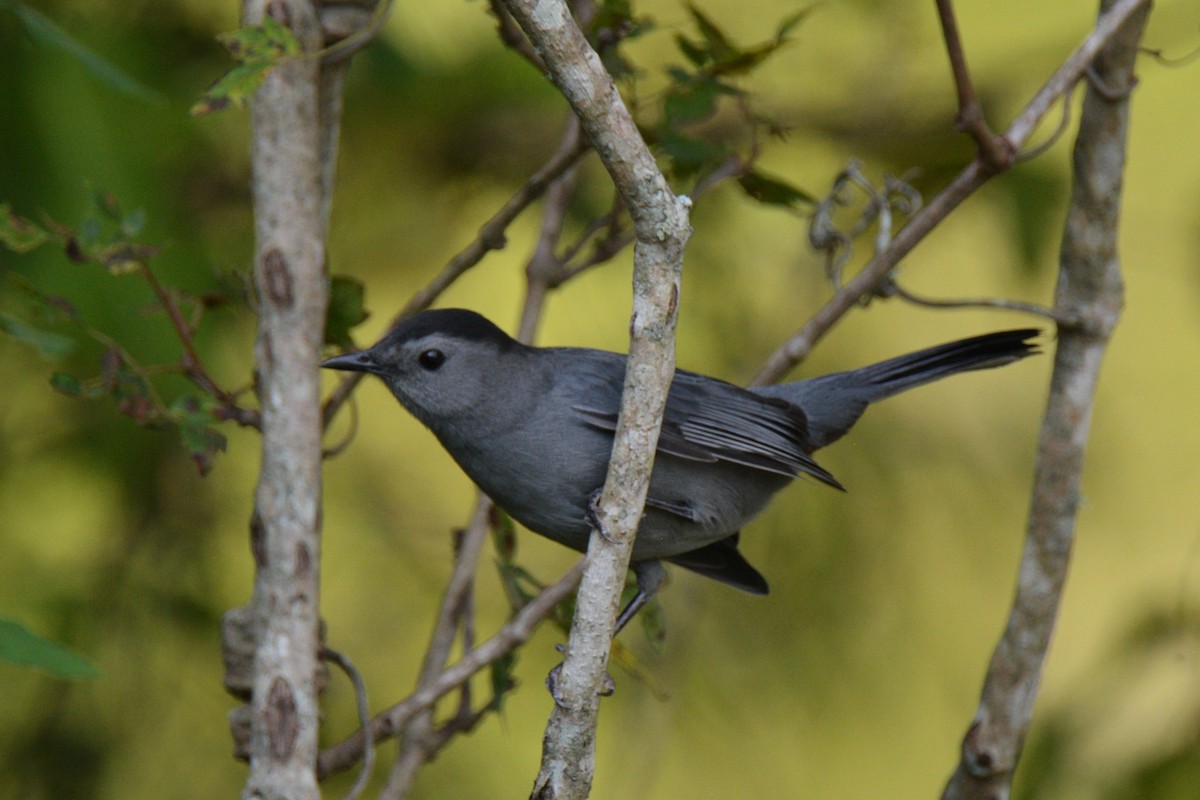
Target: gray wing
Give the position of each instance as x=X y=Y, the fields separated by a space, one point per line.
x=707 y=420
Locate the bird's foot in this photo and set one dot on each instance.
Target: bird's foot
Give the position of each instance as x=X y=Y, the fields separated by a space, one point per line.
x=593 y=516
x=607 y=689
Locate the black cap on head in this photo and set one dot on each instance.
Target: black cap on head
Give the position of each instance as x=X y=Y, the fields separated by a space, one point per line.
x=457 y=322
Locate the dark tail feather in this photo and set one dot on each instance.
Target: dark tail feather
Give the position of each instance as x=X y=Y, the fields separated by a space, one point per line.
x=833 y=403
x=721 y=561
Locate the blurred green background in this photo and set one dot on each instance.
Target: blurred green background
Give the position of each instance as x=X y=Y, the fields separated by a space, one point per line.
x=858 y=675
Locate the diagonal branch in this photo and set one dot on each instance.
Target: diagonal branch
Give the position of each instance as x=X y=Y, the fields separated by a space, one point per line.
x=515 y=632
x=975 y=175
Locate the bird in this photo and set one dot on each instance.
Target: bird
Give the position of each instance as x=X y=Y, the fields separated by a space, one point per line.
x=533 y=428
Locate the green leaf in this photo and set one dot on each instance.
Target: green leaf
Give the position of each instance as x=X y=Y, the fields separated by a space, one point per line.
x=695 y=53
x=233 y=88
x=692 y=102
x=345 y=310
x=195 y=417
x=270 y=41
x=258 y=48
x=20 y=646
x=48 y=343
x=45 y=33
x=789 y=23
x=688 y=156
x=66 y=384
x=504 y=535
x=718 y=43
x=773 y=191
x=19 y=234
x=502 y=680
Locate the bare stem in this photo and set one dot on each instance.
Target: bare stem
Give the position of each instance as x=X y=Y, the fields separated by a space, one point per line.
x=993 y=150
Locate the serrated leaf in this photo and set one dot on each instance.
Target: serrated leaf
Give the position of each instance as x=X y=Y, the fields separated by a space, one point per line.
x=45 y=33
x=346 y=310
x=48 y=343
x=19 y=646
x=19 y=234
x=259 y=48
x=66 y=384
x=773 y=191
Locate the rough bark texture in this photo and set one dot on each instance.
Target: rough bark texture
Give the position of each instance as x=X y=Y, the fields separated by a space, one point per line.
x=661 y=225
x=1090 y=294
x=285 y=529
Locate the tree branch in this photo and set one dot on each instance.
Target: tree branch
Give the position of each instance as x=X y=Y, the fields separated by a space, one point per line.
x=660 y=222
x=285 y=528
x=1090 y=292
x=993 y=150
x=977 y=173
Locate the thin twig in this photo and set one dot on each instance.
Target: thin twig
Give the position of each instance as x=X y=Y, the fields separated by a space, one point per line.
x=1064 y=122
x=364 y=718
x=995 y=151
x=419 y=744
x=190 y=362
x=344 y=29
x=978 y=302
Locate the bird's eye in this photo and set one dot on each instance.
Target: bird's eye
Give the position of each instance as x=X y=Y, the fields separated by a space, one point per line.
x=431 y=359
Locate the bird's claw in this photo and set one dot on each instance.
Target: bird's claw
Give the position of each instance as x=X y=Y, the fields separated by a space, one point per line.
x=593 y=516
x=607 y=690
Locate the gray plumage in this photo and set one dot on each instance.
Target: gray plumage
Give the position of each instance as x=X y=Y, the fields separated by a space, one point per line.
x=533 y=428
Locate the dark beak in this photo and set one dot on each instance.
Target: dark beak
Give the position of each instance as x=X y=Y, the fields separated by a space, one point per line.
x=352 y=362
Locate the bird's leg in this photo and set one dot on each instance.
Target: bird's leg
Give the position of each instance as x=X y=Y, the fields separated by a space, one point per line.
x=650 y=577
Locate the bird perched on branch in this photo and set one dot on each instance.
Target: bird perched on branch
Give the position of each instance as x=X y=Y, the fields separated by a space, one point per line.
x=533 y=428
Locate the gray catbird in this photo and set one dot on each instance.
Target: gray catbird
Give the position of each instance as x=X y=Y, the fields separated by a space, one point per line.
x=533 y=428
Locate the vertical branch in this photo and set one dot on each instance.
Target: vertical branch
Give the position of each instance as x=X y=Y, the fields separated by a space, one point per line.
x=285 y=527
x=1090 y=292
x=661 y=224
